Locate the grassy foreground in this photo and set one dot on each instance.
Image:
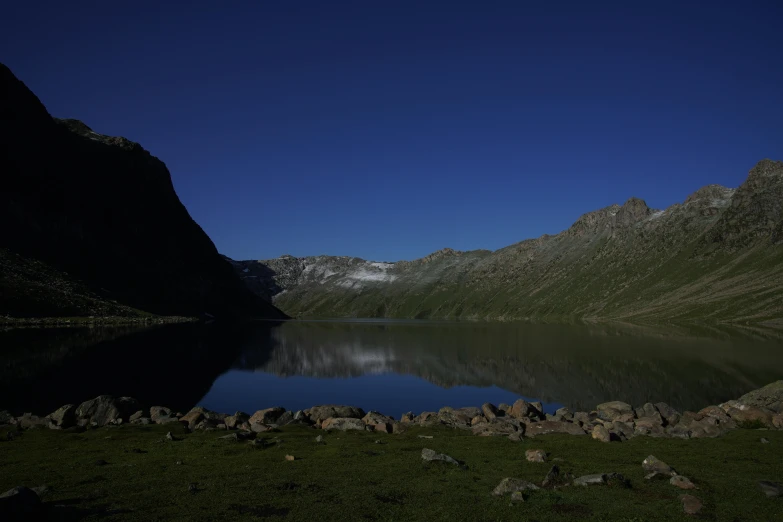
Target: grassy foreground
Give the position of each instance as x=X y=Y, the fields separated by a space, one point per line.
x=133 y=473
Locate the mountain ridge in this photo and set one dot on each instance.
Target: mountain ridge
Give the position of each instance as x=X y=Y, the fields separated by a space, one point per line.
x=715 y=256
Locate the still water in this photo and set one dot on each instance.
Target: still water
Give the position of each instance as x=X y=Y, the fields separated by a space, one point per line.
x=389 y=366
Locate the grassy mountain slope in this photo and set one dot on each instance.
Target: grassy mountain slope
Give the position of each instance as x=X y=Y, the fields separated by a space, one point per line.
x=717 y=256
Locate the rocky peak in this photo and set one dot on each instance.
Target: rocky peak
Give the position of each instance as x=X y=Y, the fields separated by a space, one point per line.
x=443 y=252
x=594 y=221
x=632 y=211
x=710 y=193
x=80 y=128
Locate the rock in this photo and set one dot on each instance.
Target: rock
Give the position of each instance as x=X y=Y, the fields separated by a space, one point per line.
x=407 y=417
x=517 y=496
x=321 y=413
x=771 y=489
x=64 y=417
x=777 y=421
x=538 y=409
x=653 y=465
x=489 y=410
x=503 y=408
x=106 y=409
x=535 y=455
x=158 y=413
x=425 y=436
x=231 y=437
x=650 y=426
x=430 y=455
x=588 y=480
x=259 y=428
x=622 y=429
x=170 y=436
x=233 y=421
x=192 y=418
x=752 y=414
x=428 y=418
x=690 y=504
x=682 y=482
x=613 y=409
x=511 y=485
x=343 y=424
x=584 y=417
x=300 y=416
x=266 y=416
x=399 y=427
x=290 y=458
x=286 y=418
x=497 y=427
x=6 y=417
x=564 y=412
x=601 y=433
x=372 y=418
x=702 y=430
x=766 y=397
x=522 y=410
x=544 y=427
x=553 y=478
x=478 y=419
x=136 y=416
x=320 y=439
x=20 y=503
x=143 y=421
x=455 y=419
x=29 y=421
x=469 y=411
x=42 y=491
x=669 y=414
x=763 y=440
x=678 y=432
x=647 y=410
x=383 y=427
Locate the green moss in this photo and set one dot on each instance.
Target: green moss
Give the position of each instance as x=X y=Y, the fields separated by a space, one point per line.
x=352 y=478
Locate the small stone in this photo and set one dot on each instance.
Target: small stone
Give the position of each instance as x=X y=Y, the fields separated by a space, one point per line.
x=319 y=439
x=169 y=436
x=553 y=477
x=682 y=482
x=587 y=480
x=535 y=455
x=510 y=485
x=193 y=487
x=517 y=496
x=653 y=465
x=489 y=410
x=178 y=463
x=691 y=505
x=430 y=455
x=601 y=433
x=425 y=436
x=771 y=489
x=233 y=437
x=290 y=458
x=764 y=441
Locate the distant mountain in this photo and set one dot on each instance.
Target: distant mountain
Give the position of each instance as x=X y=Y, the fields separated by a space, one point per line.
x=717 y=256
x=91 y=225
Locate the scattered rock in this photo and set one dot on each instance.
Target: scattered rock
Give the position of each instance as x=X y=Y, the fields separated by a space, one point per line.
x=554 y=479
x=536 y=455
x=771 y=489
x=682 y=482
x=430 y=455
x=517 y=496
x=510 y=485
x=233 y=421
x=763 y=440
x=170 y=436
x=29 y=421
x=425 y=436
x=489 y=410
x=231 y=437
x=613 y=409
x=20 y=503
x=106 y=409
x=500 y=426
x=158 y=413
x=515 y=437
x=286 y=418
x=601 y=433
x=653 y=465
x=691 y=505
x=320 y=439
x=321 y=413
x=343 y=424
x=290 y=458
x=752 y=414
x=587 y=480
x=136 y=416
x=64 y=417
x=266 y=416
x=669 y=414
x=584 y=417
x=407 y=417
x=544 y=427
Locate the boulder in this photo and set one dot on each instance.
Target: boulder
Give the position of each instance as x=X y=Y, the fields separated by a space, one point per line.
x=704 y=430
x=544 y=427
x=613 y=409
x=601 y=433
x=669 y=414
x=286 y=418
x=499 y=426
x=136 y=416
x=319 y=414
x=650 y=426
x=752 y=414
x=343 y=424
x=233 y=421
x=266 y=416
x=407 y=417
x=478 y=419
x=469 y=411
x=535 y=455
x=646 y=410
x=63 y=417
x=523 y=410
x=192 y=419
x=770 y=396
x=553 y=478
x=584 y=417
x=654 y=465
x=374 y=418
x=678 y=432
x=20 y=503
x=106 y=409
x=622 y=429
x=429 y=455
x=489 y=410
x=777 y=421
x=691 y=505
x=28 y=421
x=158 y=413
x=511 y=485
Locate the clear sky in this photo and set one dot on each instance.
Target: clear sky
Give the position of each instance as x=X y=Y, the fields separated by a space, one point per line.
x=387 y=130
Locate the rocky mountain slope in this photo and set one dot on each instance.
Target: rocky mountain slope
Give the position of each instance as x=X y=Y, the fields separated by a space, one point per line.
x=717 y=256
x=91 y=225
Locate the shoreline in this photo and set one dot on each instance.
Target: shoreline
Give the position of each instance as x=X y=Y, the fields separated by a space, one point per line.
x=613 y=421
x=43 y=322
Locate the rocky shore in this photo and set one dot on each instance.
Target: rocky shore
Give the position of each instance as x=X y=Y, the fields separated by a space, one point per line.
x=609 y=422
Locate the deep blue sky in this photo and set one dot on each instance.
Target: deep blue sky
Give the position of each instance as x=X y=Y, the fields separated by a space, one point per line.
x=388 y=130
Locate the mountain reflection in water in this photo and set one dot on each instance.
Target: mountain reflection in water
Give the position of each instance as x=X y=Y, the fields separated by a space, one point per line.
x=391 y=366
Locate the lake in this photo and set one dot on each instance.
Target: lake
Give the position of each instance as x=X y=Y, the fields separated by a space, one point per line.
x=384 y=365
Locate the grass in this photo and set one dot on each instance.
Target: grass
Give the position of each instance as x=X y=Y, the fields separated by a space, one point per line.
x=350 y=477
